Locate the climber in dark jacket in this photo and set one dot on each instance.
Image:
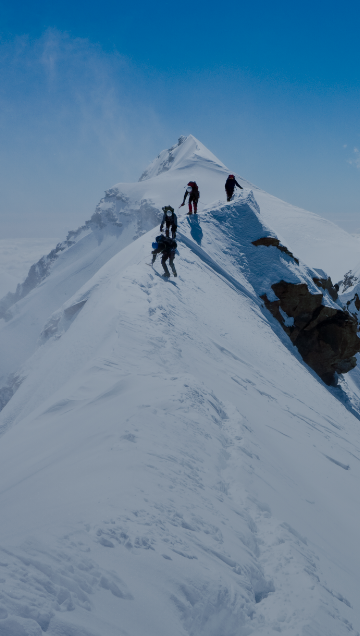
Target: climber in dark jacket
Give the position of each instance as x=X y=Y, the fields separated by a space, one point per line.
x=169 y=220
x=230 y=186
x=165 y=246
x=193 y=191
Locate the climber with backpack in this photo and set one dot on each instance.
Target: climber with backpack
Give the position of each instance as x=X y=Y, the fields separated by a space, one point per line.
x=230 y=186
x=166 y=246
x=169 y=220
x=193 y=191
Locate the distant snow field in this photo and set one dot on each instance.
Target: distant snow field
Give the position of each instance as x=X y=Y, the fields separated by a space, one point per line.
x=16 y=258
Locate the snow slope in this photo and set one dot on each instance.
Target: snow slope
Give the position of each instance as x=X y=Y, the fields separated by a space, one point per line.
x=169 y=465
x=318 y=242
x=125 y=213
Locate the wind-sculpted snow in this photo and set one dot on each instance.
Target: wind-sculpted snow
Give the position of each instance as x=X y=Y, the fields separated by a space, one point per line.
x=113 y=215
x=229 y=233
x=325 y=335
x=56 y=277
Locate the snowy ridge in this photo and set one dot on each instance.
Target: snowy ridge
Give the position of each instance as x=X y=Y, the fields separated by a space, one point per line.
x=223 y=242
x=62 y=273
x=233 y=229
x=180 y=470
x=114 y=215
x=129 y=210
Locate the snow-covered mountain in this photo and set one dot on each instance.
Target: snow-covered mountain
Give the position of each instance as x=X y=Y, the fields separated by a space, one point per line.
x=168 y=463
x=130 y=210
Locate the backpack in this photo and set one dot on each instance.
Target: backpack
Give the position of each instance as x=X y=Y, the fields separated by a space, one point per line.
x=166 y=243
x=170 y=243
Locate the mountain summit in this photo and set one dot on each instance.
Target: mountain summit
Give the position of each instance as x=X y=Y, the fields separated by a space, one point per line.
x=186 y=154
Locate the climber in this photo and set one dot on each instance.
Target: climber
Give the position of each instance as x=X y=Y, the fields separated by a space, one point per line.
x=230 y=186
x=166 y=246
x=193 y=191
x=169 y=220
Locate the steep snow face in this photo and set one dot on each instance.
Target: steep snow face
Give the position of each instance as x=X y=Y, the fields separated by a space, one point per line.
x=318 y=242
x=59 y=275
x=169 y=465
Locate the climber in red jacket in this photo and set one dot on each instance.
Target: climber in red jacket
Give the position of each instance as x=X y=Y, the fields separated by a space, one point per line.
x=193 y=191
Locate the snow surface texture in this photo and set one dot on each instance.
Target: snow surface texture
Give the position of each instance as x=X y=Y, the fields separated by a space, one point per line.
x=168 y=464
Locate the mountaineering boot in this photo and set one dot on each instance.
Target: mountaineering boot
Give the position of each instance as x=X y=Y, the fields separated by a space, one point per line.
x=166 y=271
x=173 y=269
x=153 y=259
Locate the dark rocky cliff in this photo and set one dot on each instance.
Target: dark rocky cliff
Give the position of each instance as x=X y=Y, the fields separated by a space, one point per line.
x=325 y=337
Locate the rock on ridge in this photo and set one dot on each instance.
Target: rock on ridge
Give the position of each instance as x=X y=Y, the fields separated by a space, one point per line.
x=268 y=241
x=326 y=337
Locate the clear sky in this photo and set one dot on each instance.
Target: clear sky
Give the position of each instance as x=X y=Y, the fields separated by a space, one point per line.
x=91 y=92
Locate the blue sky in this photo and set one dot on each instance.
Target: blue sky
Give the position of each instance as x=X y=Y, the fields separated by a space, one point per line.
x=91 y=92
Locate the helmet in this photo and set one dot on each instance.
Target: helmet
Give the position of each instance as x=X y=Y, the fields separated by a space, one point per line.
x=189 y=189
x=231 y=176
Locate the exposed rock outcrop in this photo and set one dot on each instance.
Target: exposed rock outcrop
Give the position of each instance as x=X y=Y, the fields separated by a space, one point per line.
x=353 y=307
x=268 y=241
x=326 y=283
x=325 y=337
x=348 y=281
